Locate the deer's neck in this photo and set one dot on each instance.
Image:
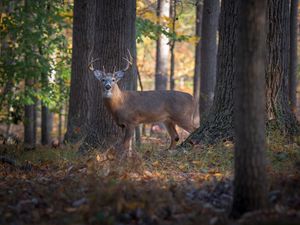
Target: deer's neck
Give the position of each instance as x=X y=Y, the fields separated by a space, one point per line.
x=115 y=101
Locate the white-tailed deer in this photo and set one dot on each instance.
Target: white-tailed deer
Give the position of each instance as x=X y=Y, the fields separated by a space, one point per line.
x=130 y=108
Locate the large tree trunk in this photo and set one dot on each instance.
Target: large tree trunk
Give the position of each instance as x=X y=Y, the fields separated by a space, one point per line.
x=197 y=72
x=79 y=71
x=250 y=188
x=218 y=124
x=162 y=49
x=110 y=45
x=293 y=54
x=280 y=115
x=211 y=9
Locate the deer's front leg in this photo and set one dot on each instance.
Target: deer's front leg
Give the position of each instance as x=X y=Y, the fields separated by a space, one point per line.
x=127 y=138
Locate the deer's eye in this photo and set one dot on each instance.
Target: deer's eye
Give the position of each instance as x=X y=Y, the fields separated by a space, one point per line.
x=113 y=79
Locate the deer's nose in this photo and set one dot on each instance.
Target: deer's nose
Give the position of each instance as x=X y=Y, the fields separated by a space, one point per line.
x=107 y=87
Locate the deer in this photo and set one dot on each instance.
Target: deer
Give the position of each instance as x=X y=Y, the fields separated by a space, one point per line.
x=131 y=108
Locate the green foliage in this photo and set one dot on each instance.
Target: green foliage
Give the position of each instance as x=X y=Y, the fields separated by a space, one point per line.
x=147 y=28
x=34 y=48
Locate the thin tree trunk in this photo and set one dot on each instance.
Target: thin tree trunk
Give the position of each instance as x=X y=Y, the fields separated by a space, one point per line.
x=211 y=10
x=293 y=54
x=60 y=125
x=196 y=89
x=78 y=91
x=29 y=120
x=46 y=118
x=250 y=180
x=173 y=16
x=162 y=49
x=46 y=125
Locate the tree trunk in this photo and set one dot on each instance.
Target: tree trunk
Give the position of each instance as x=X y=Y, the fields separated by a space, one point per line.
x=196 y=88
x=211 y=9
x=78 y=91
x=111 y=46
x=60 y=124
x=29 y=120
x=293 y=54
x=46 y=125
x=173 y=16
x=162 y=49
x=46 y=122
x=218 y=124
x=280 y=115
x=250 y=181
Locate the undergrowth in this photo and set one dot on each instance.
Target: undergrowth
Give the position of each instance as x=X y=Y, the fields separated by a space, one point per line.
x=155 y=186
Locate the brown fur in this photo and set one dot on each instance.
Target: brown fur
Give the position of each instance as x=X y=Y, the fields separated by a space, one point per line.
x=130 y=108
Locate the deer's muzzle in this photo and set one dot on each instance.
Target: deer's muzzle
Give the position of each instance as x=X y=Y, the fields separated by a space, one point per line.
x=107 y=87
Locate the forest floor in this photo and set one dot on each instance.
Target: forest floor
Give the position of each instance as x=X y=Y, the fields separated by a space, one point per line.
x=56 y=186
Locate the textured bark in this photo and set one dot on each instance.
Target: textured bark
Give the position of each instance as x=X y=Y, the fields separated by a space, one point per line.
x=280 y=115
x=162 y=49
x=250 y=180
x=218 y=124
x=211 y=9
x=110 y=45
x=293 y=54
x=78 y=92
x=196 y=88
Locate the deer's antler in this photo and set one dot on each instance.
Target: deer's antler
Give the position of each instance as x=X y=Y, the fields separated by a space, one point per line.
x=91 y=66
x=129 y=61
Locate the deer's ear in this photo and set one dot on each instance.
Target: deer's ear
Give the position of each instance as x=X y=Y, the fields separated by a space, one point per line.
x=98 y=74
x=119 y=75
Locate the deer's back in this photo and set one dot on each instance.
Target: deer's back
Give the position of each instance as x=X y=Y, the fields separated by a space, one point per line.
x=152 y=106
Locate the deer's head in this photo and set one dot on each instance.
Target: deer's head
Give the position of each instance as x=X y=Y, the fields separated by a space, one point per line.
x=109 y=80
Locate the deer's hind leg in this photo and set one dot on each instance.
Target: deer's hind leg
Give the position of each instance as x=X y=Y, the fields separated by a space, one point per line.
x=173 y=133
x=186 y=124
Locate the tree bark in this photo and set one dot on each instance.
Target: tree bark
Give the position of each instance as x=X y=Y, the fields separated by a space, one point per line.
x=162 y=49
x=111 y=45
x=250 y=180
x=197 y=71
x=78 y=91
x=218 y=125
x=211 y=9
x=293 y=54
x=280 y=115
